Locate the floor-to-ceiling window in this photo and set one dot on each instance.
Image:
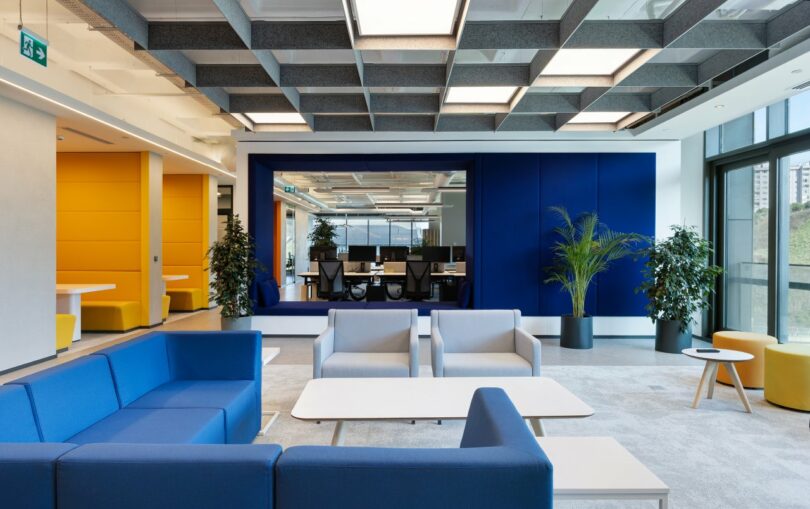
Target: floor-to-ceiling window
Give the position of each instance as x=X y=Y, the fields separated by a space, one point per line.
x=761 y=215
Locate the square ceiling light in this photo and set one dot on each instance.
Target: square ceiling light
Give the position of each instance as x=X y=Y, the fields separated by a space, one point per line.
x=598 y=117
x=480 y=95
x=276 y=118
x=405 y=17
x=588 y=62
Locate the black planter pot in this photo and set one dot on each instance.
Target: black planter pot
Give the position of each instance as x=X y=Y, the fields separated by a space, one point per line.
x=576 y=332
x=669 y=338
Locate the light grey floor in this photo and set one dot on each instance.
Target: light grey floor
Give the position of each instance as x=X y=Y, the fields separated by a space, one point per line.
x=606 y=352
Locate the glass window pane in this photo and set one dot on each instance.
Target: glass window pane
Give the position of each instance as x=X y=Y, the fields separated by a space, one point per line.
x=760 y=125
x=799 y=112
x=377 y=232
x=713 y=141
x=746 y=248
x=357 y=232
x=738 y=133
x=340 y=230
x=776 y=120
x=798 y=207
x=400 y=233
x=419 y=229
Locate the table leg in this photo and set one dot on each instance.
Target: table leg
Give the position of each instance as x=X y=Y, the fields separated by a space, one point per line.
x=71 y=304
x=337 y=436
x=273 y=416
x=713 y=379
x=537 y=427
x=663 y=502
x=701 y=384
x=732 y=371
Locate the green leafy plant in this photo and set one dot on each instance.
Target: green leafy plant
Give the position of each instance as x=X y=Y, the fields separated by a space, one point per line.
x=234 y=266
x=323 y=233
x=678 y=280
x=584 y=249
x=419 y=248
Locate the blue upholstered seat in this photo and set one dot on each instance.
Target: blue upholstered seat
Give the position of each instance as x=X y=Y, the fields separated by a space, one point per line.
x=28 y=474
x=17 y=423
x=157 y=426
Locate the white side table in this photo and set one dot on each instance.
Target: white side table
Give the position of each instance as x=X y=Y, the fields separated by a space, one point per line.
x=172 y=277
x=713 y=359
x=268 y=354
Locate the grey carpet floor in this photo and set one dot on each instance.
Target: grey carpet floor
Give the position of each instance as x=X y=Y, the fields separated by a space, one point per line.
x=714 y=457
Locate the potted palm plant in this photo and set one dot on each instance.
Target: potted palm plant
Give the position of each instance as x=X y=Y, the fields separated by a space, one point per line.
x=234 y=267
x=584 y=249
x=678 y=282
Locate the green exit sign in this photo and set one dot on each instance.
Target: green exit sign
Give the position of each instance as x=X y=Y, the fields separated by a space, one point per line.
x=289 y=189
x=34 y=47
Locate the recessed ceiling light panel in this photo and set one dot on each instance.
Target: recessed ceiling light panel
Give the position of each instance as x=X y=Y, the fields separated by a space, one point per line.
x=588 y=62
x=480 y=95
x=405 y=17
x=276 y=118
x=598 y=117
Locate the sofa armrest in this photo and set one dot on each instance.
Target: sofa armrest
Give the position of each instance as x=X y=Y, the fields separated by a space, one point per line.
x=413 y=350
x=436 y=351
x=219 y=355
x=100 y=476
x=28 y=473
x=369 y=478
x=323 y=347
x=528 y=347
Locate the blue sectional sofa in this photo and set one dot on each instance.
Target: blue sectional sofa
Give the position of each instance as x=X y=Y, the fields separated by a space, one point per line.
x=166 y=421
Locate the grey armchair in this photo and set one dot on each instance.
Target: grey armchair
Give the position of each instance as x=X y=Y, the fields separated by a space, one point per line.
x=361 y=343
x=482 y=343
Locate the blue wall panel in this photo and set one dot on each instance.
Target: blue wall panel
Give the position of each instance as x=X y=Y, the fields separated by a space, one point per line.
x=626 y=204
x=508 y=248
x=261 y=212
x=570 y=181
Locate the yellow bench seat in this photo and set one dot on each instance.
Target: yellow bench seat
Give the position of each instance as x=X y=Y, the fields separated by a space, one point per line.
x=165 y=304
x=110 y=315
x=185 y=299
x=64 y=331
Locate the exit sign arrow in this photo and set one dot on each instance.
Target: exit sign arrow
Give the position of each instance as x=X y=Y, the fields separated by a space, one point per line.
x=34 y=47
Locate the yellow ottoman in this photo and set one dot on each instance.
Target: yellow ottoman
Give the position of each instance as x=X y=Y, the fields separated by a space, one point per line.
x=787 y=375
x=64 y=331
x=185 y=299
x=752 y=373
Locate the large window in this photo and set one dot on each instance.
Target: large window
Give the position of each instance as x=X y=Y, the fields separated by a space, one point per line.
x=379 y=231
x=761 y=214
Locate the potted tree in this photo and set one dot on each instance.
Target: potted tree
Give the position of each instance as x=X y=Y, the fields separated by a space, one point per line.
x=323 y=233
x=233 y=264
x=584 y=249
x=678 y=282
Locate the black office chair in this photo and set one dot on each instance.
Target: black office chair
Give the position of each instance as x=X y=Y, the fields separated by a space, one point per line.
x=418 y=285
x=331 y=280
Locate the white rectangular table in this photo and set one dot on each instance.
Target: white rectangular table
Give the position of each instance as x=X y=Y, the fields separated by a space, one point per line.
x=373 y=399
x=172 y=277
x=595 y=468
x=69 y=301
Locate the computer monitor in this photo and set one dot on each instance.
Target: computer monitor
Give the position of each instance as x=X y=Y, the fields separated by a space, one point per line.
x=363 y=254
x=320 y=253
x=394 y=253
x=440 y=254
x=459 y=253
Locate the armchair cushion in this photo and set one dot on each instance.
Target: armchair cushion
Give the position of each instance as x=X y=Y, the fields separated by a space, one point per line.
x=357 y=365
x=157 y=426
x=486 y=364
x=477 y=331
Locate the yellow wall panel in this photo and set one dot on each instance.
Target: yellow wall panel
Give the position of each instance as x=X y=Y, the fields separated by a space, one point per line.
x=182 y=231
x=98 y=167
x=95 y=226
x=182 y=207
x=182 y=185
x=128 y=284
x=92 y=255
x=98 y=196
x=182 y=253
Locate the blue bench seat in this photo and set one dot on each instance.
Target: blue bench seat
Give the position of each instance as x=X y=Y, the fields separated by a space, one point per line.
x=157 y=426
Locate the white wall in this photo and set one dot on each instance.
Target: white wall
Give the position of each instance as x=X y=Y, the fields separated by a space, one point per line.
x=27 y=235
x=154 y=184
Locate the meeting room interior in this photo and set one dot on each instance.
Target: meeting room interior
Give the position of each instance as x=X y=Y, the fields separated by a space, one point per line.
x=405 y=254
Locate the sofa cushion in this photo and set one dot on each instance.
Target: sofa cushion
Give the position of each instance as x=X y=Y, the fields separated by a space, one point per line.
x=17 y=423
x=349 y=365
x=234 y=397
x=380 y=331
x=157 y=426
x=138 y=366
x=486 y=364
x=268 y=292
x=28 y=475
x=71 y=397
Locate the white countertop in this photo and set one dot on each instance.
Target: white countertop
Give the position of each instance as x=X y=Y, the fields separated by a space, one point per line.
x=174 y=277
x=79 y=288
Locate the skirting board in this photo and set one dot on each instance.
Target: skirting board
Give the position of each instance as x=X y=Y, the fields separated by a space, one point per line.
x=535 y=325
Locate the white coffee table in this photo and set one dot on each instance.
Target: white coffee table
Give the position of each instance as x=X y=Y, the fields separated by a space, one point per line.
x=713 y=359
x=380 y=399
x=69 y=301
x=594 y=468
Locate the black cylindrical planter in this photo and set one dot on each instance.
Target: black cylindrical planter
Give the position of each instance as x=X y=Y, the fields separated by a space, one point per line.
x=669 y=338
x=576 y=332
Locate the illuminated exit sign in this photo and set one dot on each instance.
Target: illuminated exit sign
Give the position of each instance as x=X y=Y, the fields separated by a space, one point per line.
x=34 y=47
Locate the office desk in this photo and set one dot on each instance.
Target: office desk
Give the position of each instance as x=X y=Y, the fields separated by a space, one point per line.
x=311 y=277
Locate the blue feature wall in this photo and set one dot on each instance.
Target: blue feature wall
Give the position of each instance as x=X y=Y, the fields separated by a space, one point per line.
x=509 y=225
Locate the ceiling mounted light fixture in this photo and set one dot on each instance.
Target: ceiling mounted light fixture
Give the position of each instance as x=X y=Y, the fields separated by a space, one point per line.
x=588 y=62
x=405 y=17
x=480 y=95
x=276 y=118
x=599 y=117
